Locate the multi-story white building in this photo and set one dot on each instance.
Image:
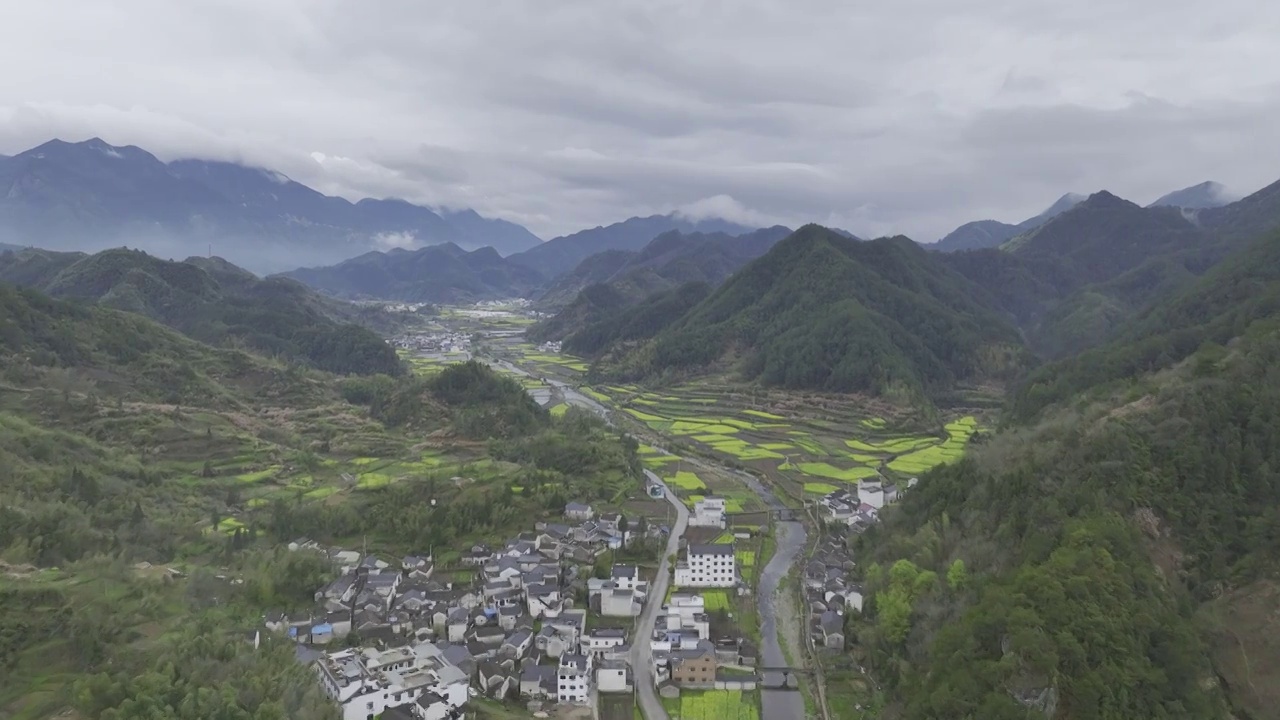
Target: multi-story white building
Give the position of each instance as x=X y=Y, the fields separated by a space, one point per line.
x=708 y=512
x=573 y=679
x=707 y=566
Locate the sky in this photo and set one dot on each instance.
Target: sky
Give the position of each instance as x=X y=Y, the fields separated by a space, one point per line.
x=906 y=117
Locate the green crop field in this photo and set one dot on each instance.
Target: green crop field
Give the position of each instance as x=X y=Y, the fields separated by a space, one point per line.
x=716 y=600
x=712 y=705
x=826 y=470
x=819 y=488
x=686 y=481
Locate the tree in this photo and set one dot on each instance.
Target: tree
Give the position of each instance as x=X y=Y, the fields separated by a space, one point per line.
x=957 y=576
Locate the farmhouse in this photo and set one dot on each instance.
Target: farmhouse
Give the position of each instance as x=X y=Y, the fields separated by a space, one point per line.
x=708 y=512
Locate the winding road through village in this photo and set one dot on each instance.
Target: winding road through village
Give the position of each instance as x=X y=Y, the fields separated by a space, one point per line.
x=641 y=649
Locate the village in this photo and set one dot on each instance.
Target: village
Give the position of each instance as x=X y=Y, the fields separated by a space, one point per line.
x=551 y=618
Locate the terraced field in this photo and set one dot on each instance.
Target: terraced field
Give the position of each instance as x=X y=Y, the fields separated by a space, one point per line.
x=538 y=362
x=814 y=447
x=310 y=479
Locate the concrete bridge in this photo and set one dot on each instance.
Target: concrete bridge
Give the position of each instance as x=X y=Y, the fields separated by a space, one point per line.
x=782 y=514
x=782 y=678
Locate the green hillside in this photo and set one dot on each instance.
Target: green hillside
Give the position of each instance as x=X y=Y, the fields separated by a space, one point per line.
x=148 y=483
x=825 y=312
x=212 y=301
x=1075 y=282
x=1117 y=542
x=1233 y=297
x=640 y=321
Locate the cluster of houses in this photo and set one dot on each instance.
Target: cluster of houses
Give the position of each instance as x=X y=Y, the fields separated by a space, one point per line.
x=828 y=586
x=684 y=651
x=859 y=508
x=444 y=342
x=687 y=655
x=830 y=591
x=413 y=642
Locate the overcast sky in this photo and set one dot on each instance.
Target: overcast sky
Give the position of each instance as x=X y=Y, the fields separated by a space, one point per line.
x=910 y=116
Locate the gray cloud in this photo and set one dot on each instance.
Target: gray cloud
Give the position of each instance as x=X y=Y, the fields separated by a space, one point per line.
x=907 y=117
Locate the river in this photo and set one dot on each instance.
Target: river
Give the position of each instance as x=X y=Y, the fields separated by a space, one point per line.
x=790 y=537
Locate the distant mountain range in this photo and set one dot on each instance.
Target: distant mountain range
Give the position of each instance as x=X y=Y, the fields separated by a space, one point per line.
x=449 y=274
x=90 y=195
x=669 y=260
x=210 y=300
x=1074 y=281
x=436 y=274
x=560 y=255
x=923 y=322
x=993 y=233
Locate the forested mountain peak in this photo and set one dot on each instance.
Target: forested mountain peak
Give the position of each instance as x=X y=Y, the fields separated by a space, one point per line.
x=822 y=311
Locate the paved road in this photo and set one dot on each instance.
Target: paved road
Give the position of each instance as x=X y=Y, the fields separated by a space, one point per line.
x=641 y=651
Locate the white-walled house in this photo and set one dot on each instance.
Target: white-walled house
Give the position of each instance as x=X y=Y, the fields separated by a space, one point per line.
x=625 y=577
x=596 y=642
x=365 y=683
x=708 y=512
x=707 y=566
x=877 y=495
x=611 y=676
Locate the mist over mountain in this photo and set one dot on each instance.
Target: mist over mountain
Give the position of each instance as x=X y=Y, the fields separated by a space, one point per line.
x=1207 y=194
x=91 y=195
